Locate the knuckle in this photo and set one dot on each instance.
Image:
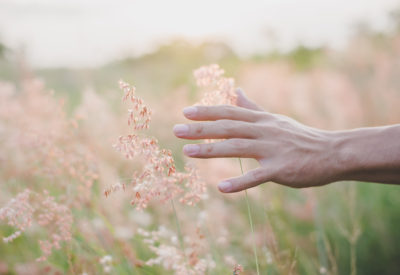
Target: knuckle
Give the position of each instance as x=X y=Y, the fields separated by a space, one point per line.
x=227 y=126
x=240 y=144
x=266 y=116
x=270 y=129
x=229 y=110
x=256 y=130
x=281 y=123
x=259 y=115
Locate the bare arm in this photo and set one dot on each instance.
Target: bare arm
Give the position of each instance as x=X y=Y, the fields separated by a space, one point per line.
x=368 y=154
x=288 y=152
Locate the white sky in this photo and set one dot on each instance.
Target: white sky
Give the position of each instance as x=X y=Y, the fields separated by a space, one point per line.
x=91 y=32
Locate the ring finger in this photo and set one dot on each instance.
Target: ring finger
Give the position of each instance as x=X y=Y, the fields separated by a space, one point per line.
x=235 y=147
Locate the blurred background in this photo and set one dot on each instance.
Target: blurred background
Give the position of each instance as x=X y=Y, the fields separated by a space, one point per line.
x=333 y=65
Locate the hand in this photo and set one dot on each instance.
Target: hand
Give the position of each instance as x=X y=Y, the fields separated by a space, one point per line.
x=288 y=152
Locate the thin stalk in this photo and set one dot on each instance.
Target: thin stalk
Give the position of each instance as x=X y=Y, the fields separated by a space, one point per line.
x=355 y=228
x=353 y=259
x=251 y=223
x=214 y=249
x=180 y=236
x=321 y=249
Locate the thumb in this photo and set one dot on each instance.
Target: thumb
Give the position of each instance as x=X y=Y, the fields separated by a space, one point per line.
x=243 y=101
x=248 y=180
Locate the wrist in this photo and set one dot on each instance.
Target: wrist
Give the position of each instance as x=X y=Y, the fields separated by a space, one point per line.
x=365 y=154
x=336 y=157
x=344 y=154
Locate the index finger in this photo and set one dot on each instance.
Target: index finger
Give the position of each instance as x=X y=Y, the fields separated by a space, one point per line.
x=222 y=112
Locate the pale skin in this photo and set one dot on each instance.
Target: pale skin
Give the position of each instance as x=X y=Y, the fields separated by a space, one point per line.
x=288 y=152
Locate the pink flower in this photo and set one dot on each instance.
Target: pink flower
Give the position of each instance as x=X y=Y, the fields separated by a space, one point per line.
x=139 y=116
x=29 y=207
x=40 y=141
x=194 y=260
x=219 y=90
x=158 y=180
x=238 y=269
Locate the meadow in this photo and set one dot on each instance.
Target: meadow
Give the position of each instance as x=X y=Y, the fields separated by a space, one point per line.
x=94 y=184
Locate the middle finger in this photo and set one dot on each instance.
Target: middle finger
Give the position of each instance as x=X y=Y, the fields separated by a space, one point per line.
x=219 y=129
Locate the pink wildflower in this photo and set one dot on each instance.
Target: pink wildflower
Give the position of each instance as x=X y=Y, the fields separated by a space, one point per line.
x=195 y=188
x=238 y=269
x=140 y=115
x=41 y=141
x=164 y=243
x=219 y=90
x=29 y=207
x=158 y=178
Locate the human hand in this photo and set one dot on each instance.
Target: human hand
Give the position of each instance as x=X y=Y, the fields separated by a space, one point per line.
x=288 y=152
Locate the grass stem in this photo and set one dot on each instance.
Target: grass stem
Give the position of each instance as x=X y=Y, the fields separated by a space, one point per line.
x=251 y=223
x=180 y=236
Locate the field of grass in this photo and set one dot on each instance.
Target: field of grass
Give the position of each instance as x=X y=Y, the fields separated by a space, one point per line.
x=57 y=164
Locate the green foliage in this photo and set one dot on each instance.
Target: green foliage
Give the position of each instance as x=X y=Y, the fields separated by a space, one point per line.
x=303 y=57
x=320 y=240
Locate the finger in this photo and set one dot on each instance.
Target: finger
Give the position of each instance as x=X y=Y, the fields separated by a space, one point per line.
x=248 y=180
x=234 y=147
x=219 y=129
x=221 y=112
x=243 y=101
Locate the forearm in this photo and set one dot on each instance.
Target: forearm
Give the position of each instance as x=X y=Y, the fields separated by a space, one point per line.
x=367 y=154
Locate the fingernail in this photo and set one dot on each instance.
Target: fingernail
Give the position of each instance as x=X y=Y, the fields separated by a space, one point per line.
x=190 y=111
x=225 y=186
x=181 y=129
x=191 y=149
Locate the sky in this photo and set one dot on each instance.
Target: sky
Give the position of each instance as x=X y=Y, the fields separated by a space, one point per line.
x=77 y=33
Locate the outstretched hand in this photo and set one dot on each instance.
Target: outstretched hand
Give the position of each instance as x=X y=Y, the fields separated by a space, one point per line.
x=288 y=152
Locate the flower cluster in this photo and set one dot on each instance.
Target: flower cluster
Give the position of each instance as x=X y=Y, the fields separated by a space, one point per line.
x=193 y=260
x=194 y=186
x=238 y=269
x=18 y=213
x=39 y=141
x=219 y=89
x=158 y=179
x=140 y=115
x=28 y=207
x=106 y=263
